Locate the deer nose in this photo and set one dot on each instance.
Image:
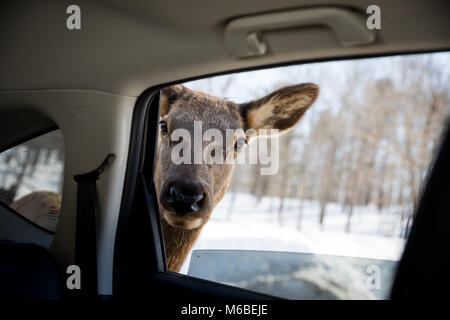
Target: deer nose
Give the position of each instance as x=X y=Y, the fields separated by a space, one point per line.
x=186 y=196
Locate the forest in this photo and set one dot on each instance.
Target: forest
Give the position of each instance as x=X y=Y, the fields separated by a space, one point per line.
x=369 y=140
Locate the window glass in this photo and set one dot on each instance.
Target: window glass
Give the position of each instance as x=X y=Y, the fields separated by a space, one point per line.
x=31 y=178
x=324 y=211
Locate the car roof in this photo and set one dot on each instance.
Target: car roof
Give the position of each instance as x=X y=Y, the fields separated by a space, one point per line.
x=124 y=47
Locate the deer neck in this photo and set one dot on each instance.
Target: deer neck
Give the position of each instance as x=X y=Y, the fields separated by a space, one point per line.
x=178 y=242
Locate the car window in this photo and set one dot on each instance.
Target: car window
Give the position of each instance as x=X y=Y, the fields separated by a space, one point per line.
x=328 y=163
x=31 y=178
x=296 y=275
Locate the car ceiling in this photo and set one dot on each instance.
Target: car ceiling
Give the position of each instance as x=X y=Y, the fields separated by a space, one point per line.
x=125 y=47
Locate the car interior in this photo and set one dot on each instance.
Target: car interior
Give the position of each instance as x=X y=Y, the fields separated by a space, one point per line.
x=100 y=86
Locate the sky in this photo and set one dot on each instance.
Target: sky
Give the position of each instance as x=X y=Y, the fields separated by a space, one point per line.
x=331 y=76
x=250 y=84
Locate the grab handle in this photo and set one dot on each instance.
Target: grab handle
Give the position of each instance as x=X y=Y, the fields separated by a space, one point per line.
x=243 y=35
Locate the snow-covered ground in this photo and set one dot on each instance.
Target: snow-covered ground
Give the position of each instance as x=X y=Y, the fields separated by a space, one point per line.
x=327 y=274
x=253 y=226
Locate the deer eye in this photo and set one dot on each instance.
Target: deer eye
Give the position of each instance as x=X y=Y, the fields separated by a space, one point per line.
x=163 y=127
x=240 y=144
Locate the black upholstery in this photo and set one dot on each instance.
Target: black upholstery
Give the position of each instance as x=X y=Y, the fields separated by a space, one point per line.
x=28 y=271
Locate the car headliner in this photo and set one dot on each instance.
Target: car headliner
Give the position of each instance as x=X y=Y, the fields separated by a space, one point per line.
x=124 y=47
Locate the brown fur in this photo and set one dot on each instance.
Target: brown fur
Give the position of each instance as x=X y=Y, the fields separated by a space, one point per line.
x=180 y=106
x=41 y=207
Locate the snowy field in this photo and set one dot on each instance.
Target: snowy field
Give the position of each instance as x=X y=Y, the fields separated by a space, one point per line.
x=324 y=269
x=253 y=226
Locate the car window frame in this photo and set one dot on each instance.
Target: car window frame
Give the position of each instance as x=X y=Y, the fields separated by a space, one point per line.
x=141 y=161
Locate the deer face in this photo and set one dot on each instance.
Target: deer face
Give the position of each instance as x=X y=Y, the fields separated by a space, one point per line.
x=190 y=189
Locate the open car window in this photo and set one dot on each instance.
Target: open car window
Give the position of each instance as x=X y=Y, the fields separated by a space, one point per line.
x=330 y=199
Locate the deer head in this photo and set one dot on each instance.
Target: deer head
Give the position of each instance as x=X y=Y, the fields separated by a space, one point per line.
x=188 y=192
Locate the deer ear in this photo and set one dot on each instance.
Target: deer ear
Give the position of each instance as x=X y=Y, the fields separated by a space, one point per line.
x=168 y=96
x=281 y=109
